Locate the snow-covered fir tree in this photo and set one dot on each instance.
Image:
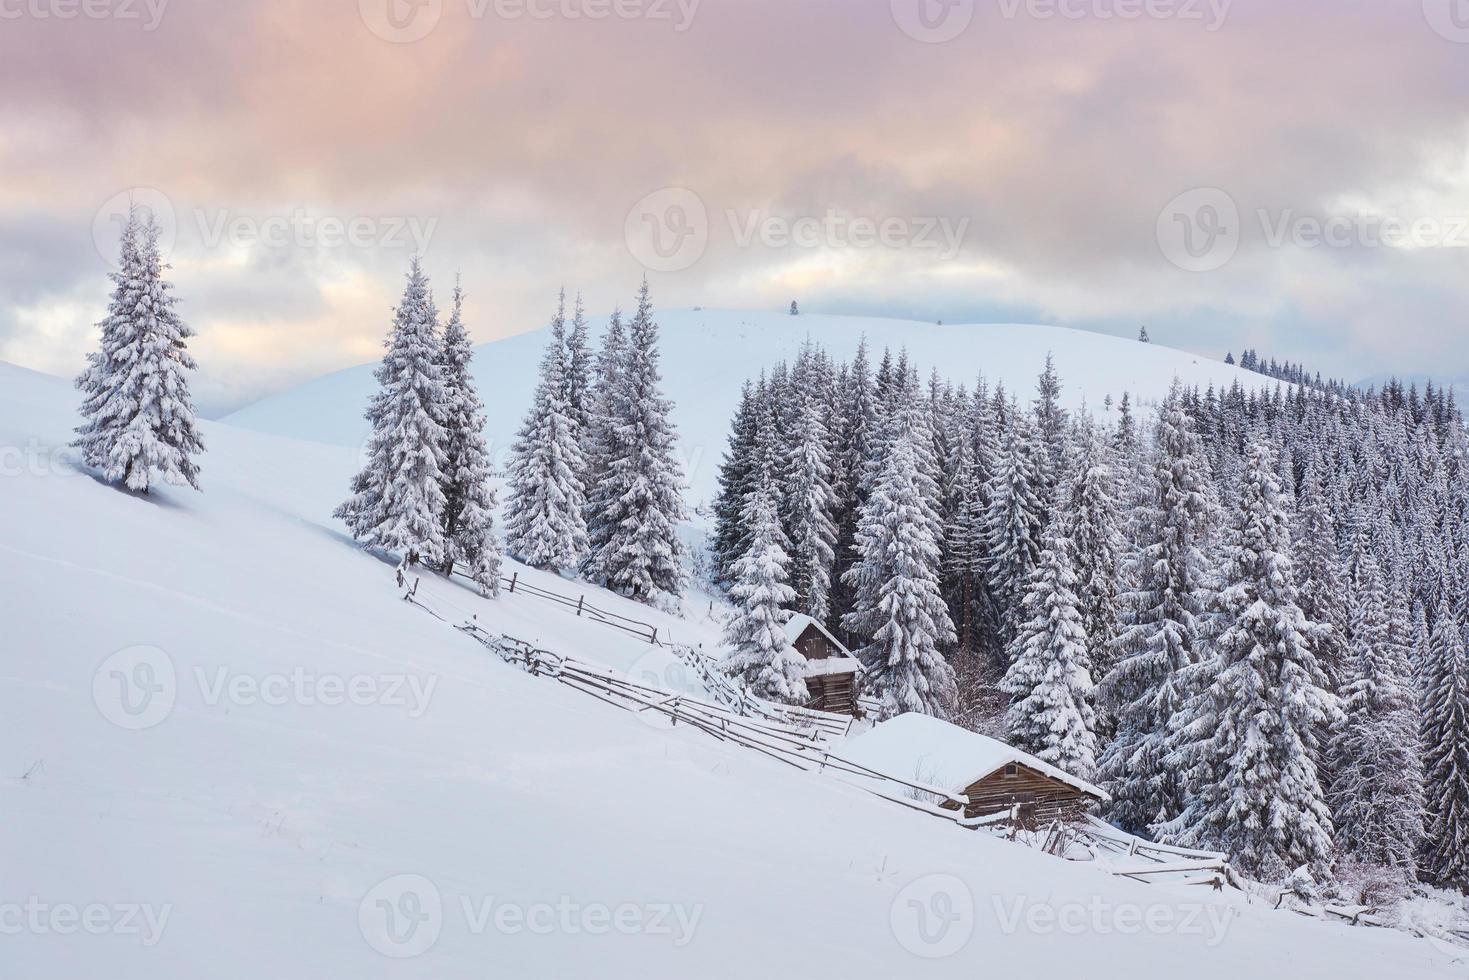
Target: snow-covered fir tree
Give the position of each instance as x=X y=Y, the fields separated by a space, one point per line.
x=639 y=502
x=1091 y=522
x=579 y=376
x=397 y=499
x=139 y=415
x=809 y=505
x=899 y=611
x=761 y=653
x=1014 y=521
x=600 y=441
x=1446 y=744
x=736 y=474
x=468 y=516
x=1248 y=740
x=1323 y=591
x=965 y=552
x=1050 y=428
x=1376 y=766
x=855 y=434
x=1051 y=713
x=1160 y=637
x=544 y=521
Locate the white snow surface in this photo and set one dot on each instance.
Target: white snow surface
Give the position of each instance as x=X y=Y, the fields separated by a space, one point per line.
x=266 y=830
x=944 y=755
x=708 y=354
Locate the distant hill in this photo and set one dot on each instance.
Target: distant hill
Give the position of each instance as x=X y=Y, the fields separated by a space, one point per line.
x=707 y=354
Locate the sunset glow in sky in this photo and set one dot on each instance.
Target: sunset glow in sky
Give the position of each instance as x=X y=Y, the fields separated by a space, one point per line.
x=1286 y=174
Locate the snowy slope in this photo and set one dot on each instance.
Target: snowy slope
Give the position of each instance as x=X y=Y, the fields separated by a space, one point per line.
x=265 y=827
x=707 y=354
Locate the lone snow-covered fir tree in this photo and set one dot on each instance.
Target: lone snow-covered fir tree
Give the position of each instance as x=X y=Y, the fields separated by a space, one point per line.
x=139 y=415
x=397 y=500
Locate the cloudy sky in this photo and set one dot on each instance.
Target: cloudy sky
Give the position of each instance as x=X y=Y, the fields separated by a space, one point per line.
x=1286 y=174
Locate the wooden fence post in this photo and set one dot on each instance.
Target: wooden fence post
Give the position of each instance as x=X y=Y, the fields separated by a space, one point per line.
x=654 y=638
x=513 y=577
x=579 y=603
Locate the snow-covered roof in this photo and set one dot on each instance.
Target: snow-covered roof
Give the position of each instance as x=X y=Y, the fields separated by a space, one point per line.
x=917 y=747
x=843 y=664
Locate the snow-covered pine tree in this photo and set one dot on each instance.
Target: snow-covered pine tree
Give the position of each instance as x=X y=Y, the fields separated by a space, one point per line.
x=761 y=653
x=962 y=573
x=1014 y=522
x=1248 y=741
x=635 y=545
x=1051 y=713
x=397 y=501
x=469 y=503
x=579 y=376
x=736 y=476
x=1159 y=636
x=1376 y=766
x=899 y=610
x=139 y=415
x=857 y=413
x=544 y=522
x=601 y=441
x=1319 y=570
x=1091 y=522
x=1446 y=761
x=1050 y=427
x=809 y=506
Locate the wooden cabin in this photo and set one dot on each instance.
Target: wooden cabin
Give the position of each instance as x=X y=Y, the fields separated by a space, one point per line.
x=993 y=775
x=831 y=671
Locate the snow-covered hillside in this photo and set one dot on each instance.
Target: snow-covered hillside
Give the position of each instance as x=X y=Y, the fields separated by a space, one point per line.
x=707 y=355
x=231 y=751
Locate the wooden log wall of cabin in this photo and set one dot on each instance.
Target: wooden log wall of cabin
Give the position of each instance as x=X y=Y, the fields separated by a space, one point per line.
x=1053 y=799
x=833 y=692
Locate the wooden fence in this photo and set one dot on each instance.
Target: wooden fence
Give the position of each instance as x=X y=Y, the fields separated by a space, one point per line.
x=804 y=748
x=577 y=604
